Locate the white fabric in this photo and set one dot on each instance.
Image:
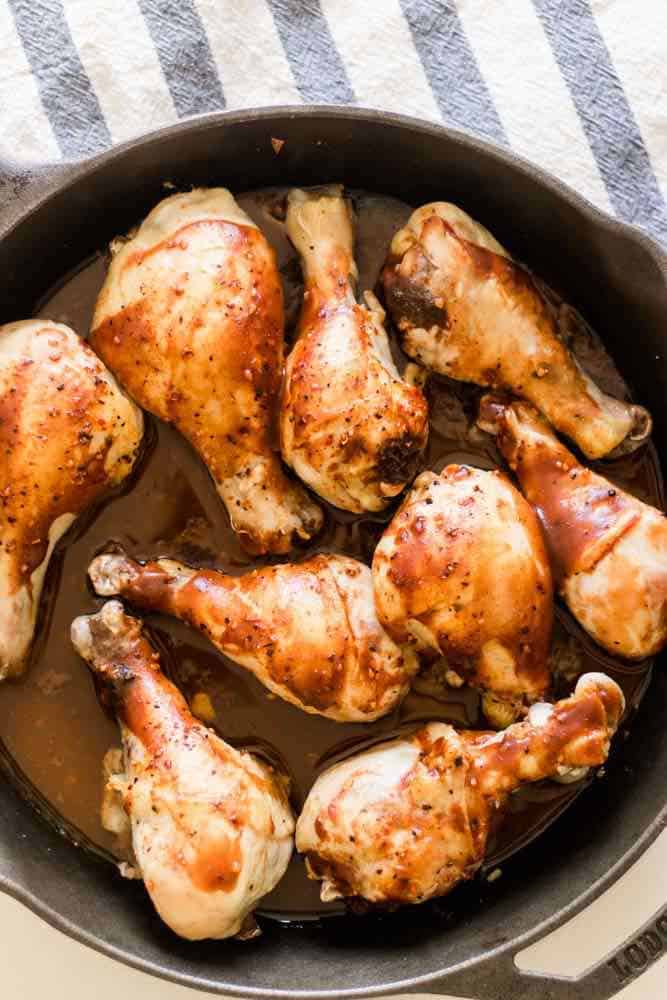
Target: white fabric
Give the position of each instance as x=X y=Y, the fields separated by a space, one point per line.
x=518 y=71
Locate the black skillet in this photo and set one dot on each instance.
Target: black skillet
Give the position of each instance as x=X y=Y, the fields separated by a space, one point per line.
x=51 y=219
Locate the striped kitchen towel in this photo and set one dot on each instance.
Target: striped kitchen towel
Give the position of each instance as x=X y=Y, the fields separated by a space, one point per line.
x=577 y=86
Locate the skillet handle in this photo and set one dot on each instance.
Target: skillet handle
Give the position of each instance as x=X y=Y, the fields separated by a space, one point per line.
x=499 y=978
x=24 y=185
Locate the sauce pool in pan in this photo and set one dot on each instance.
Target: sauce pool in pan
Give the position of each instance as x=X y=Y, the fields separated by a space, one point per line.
x=51 y=724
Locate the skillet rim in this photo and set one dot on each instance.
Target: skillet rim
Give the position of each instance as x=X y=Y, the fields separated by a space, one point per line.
x=60 y=175
x=38 y=184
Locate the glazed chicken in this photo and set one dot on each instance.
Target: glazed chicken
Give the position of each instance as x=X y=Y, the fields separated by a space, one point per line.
x=211 y=826
x=608 y=549
x=308 y=632
x=462 y=570
x=350 y=426
x=190 y=319
x=409 y=819
x=68 y=435
x=467 y=310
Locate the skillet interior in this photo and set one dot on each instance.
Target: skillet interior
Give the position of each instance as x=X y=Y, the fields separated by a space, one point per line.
x=616 y=282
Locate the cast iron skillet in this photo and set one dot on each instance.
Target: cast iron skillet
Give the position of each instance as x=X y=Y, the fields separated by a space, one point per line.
x=51 y=219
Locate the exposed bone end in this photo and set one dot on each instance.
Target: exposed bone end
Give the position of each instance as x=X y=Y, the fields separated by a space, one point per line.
x=81 y=636
x=613 y=700
x=107 y=639
x=86 y=630
x=642 y=424
x=320 y=218
x=610 y=694
x=111 y=618
x=110 y=574
x=491 y=413
x=640 y=431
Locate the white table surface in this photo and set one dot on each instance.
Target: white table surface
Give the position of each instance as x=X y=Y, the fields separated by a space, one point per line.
x=38 y=962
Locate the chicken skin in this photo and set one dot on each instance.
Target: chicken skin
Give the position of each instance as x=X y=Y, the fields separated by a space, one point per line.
x=608 y=549
x=462 y=570
x=409 y=819
x=211 y=826
x=350 y=426
x=68 y=435
x=190 y=319
x=308 y=632
x=467 y=310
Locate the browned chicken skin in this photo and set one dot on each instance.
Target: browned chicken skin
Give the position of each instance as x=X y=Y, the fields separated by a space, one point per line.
x=308 y=632
x=350 y=426
x=211 y=826
x=462 y=570
x=190 y=319
x=608 y=549
x=409 y=819
x=68 y=435
x=467 y=310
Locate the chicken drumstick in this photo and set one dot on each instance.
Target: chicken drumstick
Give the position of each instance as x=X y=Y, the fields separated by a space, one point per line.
x=68 y=435
x=211 y=826
x=609 y=550
x=350 y=426
x=308 y=632
x=467 y=310
x=408 y=819
x=462 y=570
x=190 y=319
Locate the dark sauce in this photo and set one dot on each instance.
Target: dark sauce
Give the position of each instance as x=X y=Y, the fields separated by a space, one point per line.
x=51 y=723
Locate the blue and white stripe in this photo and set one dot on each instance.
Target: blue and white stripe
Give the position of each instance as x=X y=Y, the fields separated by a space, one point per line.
x=606 y=115
x=577 y=86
